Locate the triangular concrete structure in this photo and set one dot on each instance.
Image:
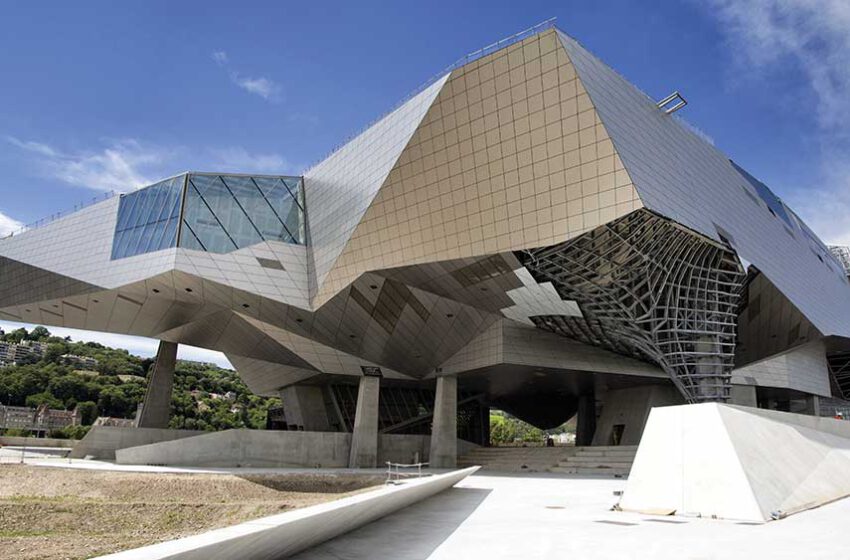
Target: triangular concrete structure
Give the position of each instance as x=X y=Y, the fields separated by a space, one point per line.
x=731 y=462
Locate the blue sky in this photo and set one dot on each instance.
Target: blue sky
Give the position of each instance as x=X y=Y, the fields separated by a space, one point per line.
x=104 y=95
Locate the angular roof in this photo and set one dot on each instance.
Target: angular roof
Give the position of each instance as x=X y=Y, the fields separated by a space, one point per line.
x=682 y=176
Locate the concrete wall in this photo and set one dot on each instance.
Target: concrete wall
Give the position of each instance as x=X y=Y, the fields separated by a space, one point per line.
x=259 y=448
x=631 y=407
x=37 y=442
x=102 y=441
x=285 y=534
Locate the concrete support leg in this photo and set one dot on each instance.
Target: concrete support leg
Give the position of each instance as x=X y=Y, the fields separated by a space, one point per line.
x=156 y=408
x=744 y=395
x=444 y=429
x=585 y=419
x=813 y=405
x=485 y=425
x=364 y=438
x=304 y=406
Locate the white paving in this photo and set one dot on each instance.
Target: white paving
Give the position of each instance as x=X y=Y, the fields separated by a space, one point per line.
x=549 y=516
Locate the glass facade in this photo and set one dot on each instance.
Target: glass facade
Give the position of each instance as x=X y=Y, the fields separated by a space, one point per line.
x=220 y=214
x=148 y=219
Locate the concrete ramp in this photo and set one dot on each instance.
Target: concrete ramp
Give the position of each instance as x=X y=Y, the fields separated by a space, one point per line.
x=731 y=462
x=282 y=535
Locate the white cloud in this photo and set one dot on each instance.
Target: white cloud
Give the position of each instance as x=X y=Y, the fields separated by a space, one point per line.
x=122 y=166
x=8 y=225
x=266 y=88
x=137 y=345
x=774 y=37
x=220 y=57
x=239 y=160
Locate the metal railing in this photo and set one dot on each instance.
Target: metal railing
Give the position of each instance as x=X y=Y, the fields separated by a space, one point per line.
x=475 y=55
x=53 y=217
x=395 y=474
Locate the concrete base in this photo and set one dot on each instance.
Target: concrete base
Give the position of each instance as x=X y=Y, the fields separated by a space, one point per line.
x=262 y=449
x=731 y=462
x=282 y=535
x=102 y=441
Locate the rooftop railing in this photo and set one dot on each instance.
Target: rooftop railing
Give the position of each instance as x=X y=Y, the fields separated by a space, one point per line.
x=53 y=217
x=475 y=55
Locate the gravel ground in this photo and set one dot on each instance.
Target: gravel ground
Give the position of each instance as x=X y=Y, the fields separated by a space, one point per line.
x=67 y=514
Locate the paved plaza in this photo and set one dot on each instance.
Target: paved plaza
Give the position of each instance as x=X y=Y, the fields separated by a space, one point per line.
x=552 y=516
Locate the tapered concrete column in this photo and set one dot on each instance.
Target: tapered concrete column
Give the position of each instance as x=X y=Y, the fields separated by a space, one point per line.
x=444 y=428
x=585 y=419
x=364 y=438
x=156 y=408
x=304 y=406
x=813 y=405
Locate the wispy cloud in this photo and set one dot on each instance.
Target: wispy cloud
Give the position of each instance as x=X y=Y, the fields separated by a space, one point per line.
x=769 y=37
x=8 y=225
x=240 y=160
x=266 y=88
x=121 y=166
x=129 y=164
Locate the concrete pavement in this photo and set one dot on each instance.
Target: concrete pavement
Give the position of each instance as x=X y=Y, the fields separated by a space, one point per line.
x=549 y=516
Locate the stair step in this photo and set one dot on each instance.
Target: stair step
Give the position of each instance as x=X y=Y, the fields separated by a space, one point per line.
x=621 y=465
x=599 y=459
x=587 y=470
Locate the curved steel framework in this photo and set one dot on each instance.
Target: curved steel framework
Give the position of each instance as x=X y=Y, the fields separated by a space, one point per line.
x=653 y=289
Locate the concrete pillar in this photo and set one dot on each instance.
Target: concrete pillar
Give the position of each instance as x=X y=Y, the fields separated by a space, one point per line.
x=744 y=395
x=485 y=425
x=444 y=428
x=364 y=438
x=156 y=408
x=304 y=407
x=585 y=419
x=813 y=405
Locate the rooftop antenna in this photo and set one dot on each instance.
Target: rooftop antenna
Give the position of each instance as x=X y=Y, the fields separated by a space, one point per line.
x=672 y=103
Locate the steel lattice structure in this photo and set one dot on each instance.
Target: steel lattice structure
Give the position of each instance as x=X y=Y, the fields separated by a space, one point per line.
x=649 y=287
x=839 y=368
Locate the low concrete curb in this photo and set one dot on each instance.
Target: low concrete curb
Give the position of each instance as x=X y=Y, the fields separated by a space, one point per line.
x=282 y=535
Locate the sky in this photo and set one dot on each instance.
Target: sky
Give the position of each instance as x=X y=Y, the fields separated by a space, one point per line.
x=98 y=96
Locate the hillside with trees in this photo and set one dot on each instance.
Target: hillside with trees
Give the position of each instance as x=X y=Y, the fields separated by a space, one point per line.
x=205 y=397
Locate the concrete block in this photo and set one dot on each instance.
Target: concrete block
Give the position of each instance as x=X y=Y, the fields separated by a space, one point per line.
x=732 y=462
x=102 y=441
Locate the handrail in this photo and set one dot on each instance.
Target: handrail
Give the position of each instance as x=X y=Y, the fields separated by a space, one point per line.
x=394 y=470
x=61 y=214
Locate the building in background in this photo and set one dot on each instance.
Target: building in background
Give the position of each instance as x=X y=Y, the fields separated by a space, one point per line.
x=39 y=421
x=528 y=231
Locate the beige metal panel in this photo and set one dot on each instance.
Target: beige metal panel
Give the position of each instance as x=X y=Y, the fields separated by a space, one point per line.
x=511 y=155
x=339 y=189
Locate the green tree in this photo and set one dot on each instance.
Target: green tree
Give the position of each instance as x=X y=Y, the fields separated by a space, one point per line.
x=34 y=401
x=38 y=333
x=88 y=412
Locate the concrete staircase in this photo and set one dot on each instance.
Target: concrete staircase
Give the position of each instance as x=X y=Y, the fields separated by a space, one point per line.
x=600 y=460
x=516 y=459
